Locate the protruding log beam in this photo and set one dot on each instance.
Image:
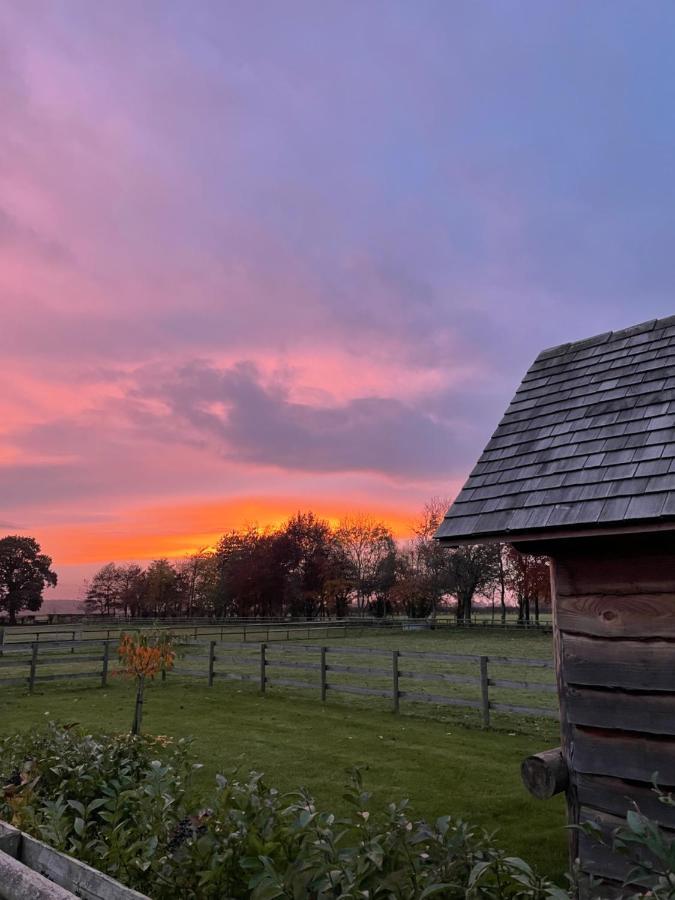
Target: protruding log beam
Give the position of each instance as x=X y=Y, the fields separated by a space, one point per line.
x=545 y=774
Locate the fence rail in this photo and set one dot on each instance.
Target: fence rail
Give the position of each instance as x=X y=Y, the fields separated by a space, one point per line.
x=397 y=675
x=224 y=660
x=253 y=631
x=73 y=624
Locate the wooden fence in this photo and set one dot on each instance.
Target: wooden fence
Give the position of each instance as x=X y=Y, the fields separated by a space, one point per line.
x=396 y=675
x=247 y=631
x=59 y=660
x=417 y=676
x=253 y=630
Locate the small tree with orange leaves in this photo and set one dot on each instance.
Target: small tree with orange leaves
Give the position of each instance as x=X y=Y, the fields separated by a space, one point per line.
x=144 y=656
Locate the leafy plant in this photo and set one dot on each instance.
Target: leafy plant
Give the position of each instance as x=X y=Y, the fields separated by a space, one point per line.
x=126 y=805
x=144 y=655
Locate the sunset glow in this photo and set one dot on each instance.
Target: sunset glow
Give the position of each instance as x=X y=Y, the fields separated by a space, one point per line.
x=254 y=262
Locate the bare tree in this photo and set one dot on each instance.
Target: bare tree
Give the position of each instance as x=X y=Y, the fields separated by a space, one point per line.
x=432 y=557
x=366 y=544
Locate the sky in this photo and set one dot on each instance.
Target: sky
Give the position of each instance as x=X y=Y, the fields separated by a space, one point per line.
x=262 y=257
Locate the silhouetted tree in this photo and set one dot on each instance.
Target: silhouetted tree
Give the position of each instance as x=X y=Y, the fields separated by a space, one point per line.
x=529 y=579
x=366 y=545
x=471 y=570
x=432 y=558
x=104 y=590
x=24 y=573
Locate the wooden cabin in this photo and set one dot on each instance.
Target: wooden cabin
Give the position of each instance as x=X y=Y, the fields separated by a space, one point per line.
x=582 y=469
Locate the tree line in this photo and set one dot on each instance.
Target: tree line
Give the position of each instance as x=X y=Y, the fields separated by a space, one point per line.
x=307 y=568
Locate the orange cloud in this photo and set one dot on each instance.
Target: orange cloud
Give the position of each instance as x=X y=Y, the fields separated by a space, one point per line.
x=176 y=530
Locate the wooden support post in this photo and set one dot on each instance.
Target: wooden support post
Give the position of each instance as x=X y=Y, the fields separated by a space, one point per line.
x=212 y=659
x=106 y=657
x=485 y=691
x=33 y=666
x=323 y=674
x=545 y=774
x=394 y=685
x=263 y=664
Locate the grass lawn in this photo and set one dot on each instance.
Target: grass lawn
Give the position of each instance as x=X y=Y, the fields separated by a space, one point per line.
x=439 y=760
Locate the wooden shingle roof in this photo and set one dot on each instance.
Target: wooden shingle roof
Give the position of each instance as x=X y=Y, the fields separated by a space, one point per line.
x=587 y=442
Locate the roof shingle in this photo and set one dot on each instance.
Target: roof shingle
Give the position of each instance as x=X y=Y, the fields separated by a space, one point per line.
x=587 y=441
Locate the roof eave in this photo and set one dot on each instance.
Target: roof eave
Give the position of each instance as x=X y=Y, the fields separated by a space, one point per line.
x=555 y=534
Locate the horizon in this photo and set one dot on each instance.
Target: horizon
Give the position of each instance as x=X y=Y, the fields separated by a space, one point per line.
x=253 y=262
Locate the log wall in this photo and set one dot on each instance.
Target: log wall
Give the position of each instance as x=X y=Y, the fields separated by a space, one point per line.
x=614 y=615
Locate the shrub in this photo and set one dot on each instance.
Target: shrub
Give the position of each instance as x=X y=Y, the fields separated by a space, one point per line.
x=126 y=805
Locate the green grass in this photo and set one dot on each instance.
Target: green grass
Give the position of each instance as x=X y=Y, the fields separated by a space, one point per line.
x=434 y=756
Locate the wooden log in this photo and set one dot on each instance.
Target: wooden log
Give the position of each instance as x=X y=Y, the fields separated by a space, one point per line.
x=545 y=774
x=630 y=664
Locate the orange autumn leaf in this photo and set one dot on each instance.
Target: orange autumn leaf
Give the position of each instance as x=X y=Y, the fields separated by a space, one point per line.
x=145 y=655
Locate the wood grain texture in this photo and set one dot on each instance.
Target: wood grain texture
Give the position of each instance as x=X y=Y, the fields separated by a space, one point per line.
x=598 y=856
x=627 y=565
x=634 y=665
x=71 y=874
x=618 y=616
x=566 y=735
x=625 y=755
x=545 y=774
x=595 y=707
x=616 y=796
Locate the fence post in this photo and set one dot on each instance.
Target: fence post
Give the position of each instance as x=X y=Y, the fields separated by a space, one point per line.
x=72 y=649
x=484 y=691
x=394 y=687
x=33 y=667
x=106 y=656
x=212 y=659
x=323 y=674
x=263 y=664
x=2 y=637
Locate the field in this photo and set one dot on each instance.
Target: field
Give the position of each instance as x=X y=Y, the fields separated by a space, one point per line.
x=437 y=757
